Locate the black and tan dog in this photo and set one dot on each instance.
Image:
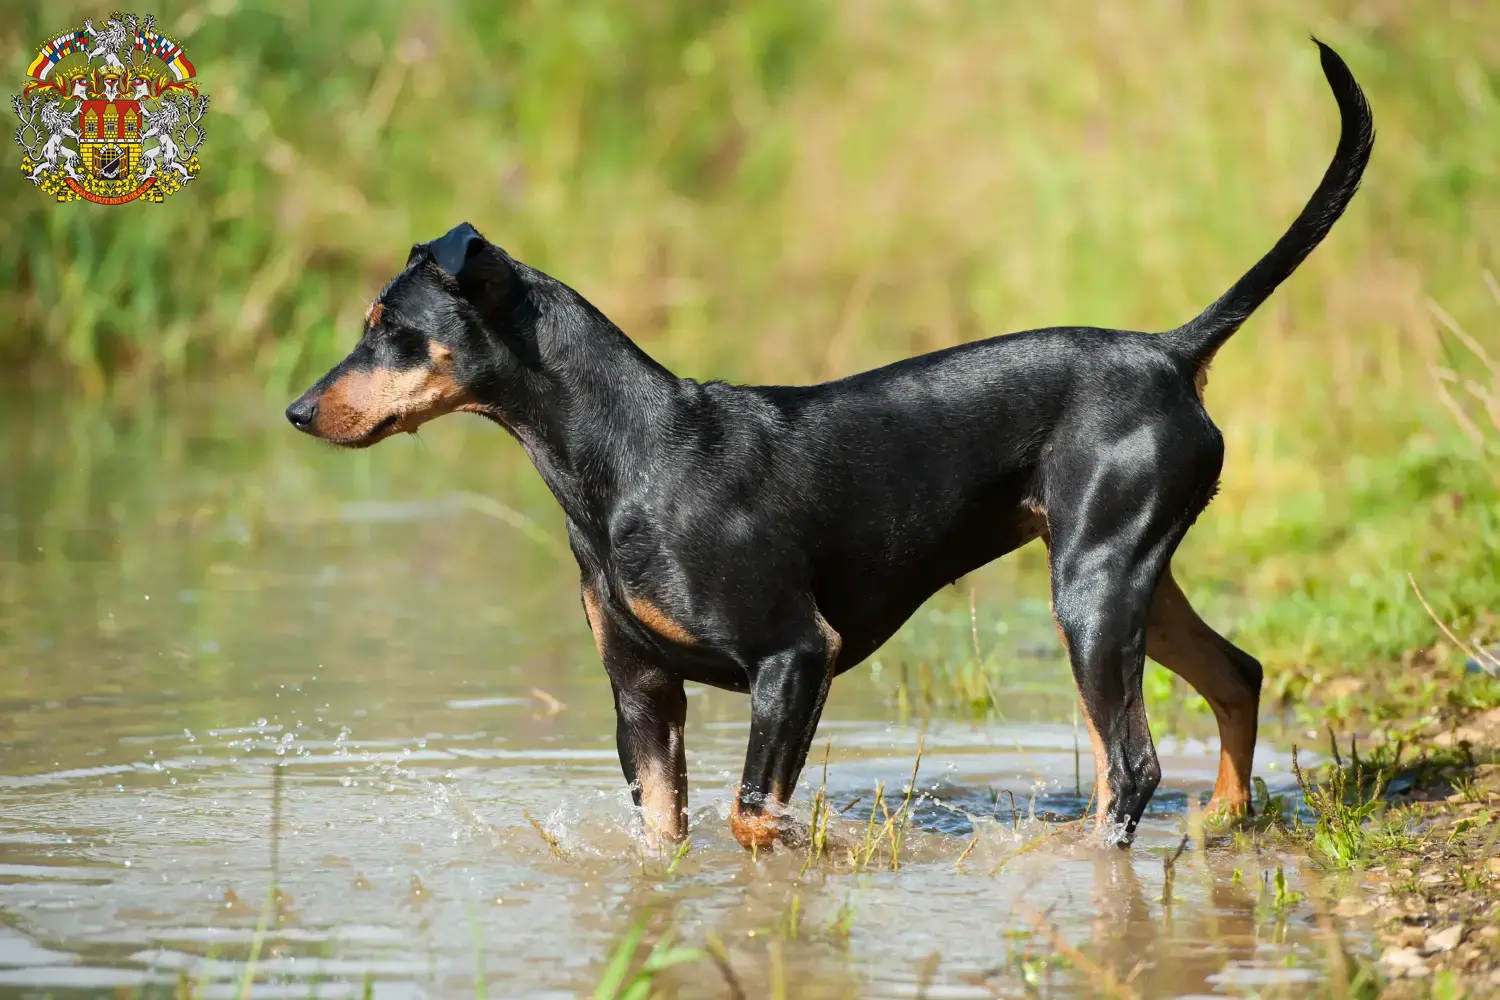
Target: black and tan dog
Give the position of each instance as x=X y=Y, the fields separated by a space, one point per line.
x=766 y=538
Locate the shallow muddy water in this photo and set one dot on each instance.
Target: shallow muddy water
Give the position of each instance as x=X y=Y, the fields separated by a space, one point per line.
x=187 y=602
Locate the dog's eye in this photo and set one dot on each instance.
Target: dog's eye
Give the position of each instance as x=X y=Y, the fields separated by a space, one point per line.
x=403 y=345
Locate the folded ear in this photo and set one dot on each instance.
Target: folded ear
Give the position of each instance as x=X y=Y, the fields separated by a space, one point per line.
x=452 y=250
x=486 y=279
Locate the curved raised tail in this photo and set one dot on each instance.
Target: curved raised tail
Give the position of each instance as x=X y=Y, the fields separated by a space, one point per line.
x=1199 y=339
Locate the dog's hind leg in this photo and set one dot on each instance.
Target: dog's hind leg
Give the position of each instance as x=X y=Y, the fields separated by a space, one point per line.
x=1101 y=612
x=1226 y=676
x=787 y=692
x=1116 y=511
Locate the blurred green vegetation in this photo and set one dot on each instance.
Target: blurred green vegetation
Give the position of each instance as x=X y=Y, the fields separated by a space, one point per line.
x=787 y=191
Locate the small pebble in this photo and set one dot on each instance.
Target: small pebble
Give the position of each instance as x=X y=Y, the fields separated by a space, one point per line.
x=1355 y=907
x=1404 y=962
x=1411 y=937
x=1446 y=939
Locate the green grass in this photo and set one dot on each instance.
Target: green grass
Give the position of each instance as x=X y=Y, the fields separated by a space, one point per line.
x=1359 y=821
x=789 y=191
x=1343 y=809
x=626 y=978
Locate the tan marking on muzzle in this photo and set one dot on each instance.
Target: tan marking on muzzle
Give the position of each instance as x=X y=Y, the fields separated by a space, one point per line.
x=351 y=410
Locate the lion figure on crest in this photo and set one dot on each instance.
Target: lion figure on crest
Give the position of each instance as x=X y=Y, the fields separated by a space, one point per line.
x=57 y=126
x=117 y=34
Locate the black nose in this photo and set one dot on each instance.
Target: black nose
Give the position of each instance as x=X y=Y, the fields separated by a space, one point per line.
x=301 y=413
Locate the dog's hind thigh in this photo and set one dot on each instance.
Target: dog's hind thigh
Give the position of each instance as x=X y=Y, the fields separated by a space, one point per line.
x=1116 y=508
x=1226 y=676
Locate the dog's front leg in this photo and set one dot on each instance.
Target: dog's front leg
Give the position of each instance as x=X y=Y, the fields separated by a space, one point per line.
x=650 y=711
x=786 y=699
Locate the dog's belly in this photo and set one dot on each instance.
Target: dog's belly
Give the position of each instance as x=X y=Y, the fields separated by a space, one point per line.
x=867 y=606
x=710 y=667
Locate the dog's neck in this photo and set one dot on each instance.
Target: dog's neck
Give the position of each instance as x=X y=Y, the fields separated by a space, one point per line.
x=586 y=403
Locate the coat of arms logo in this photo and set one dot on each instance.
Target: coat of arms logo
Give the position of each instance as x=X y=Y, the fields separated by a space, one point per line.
x=111 y=115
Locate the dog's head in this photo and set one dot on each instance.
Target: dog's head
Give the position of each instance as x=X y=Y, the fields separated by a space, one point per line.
x=433 y=341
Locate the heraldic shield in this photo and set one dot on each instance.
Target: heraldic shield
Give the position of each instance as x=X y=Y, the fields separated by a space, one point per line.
x=102 y=128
